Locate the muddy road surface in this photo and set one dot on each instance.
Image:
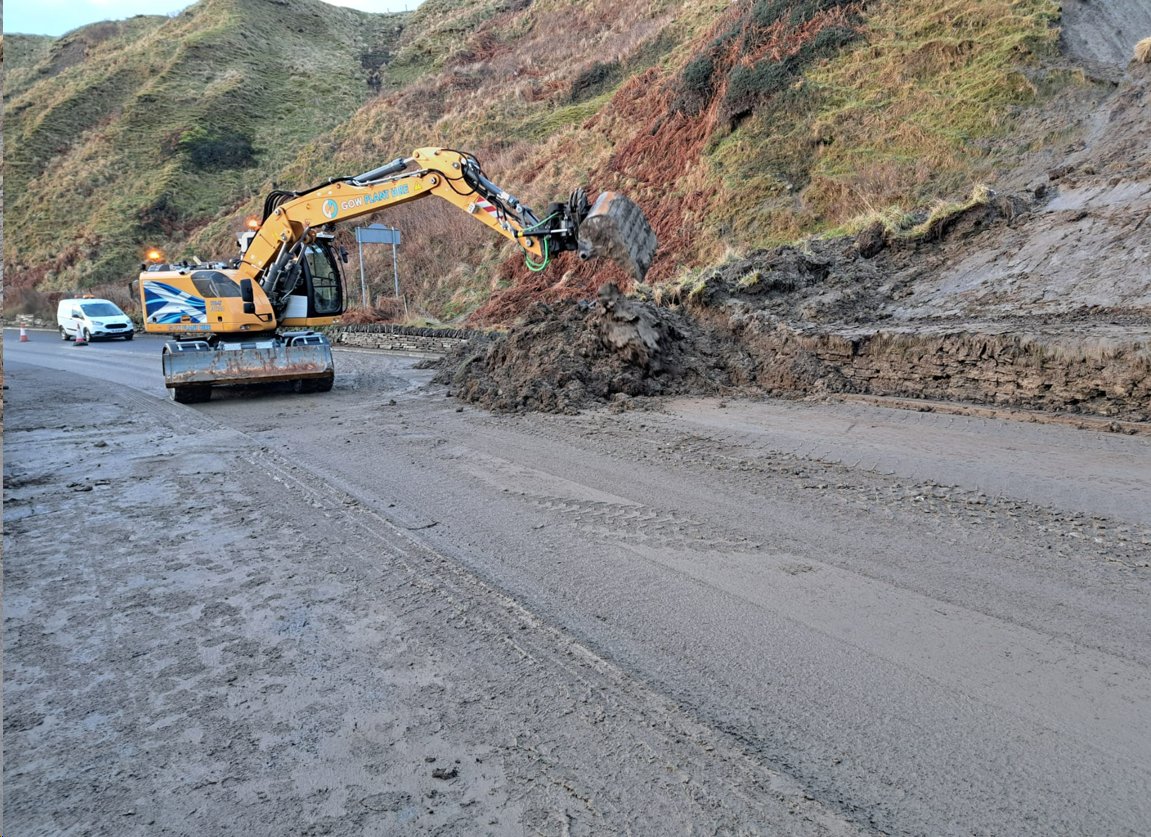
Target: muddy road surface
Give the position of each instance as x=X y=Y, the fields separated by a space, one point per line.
x=379 y=611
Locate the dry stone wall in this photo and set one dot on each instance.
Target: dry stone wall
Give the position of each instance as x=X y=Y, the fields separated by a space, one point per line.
x=395 y=338
x=998 y=369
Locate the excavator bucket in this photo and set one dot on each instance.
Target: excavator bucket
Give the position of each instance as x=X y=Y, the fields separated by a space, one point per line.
x=616 y=229
x=192 y=368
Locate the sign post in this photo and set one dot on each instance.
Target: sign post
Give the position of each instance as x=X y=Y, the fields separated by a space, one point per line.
x=363 y=282
x=378 y=234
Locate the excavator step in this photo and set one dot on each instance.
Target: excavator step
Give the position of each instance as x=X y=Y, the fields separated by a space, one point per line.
x=616 y=229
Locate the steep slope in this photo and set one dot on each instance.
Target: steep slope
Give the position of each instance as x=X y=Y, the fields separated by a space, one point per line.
x=1083 y=247
x=1104 y=33
x=512 y=82
x=789 y=119
x=736 y=125
x=123 y=135
x=22 y=53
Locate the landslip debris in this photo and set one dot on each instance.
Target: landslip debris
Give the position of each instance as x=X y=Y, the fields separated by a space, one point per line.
x=816 y=319
x=567 y=356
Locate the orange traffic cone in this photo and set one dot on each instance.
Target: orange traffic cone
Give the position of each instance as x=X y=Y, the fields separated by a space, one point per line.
x=80 y=340
x=23 y=335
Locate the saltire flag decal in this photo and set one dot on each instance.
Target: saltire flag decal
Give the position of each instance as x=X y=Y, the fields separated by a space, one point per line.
x=165 y=304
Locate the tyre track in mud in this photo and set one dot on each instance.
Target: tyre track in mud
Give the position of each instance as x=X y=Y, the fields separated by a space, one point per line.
x=910 y=653
x=1102 y=548
x=546 y=736
x=830 y=487
x=593 y=512
x=692 y=754
x=812 y=610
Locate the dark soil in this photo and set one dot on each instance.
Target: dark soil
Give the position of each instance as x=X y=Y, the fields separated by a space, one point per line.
x=567 y=356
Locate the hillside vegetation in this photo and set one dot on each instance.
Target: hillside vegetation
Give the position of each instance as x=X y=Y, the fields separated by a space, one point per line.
x=735 y=125
x=126 y=135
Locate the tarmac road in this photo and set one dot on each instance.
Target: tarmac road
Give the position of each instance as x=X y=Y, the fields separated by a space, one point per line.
x=741 y=617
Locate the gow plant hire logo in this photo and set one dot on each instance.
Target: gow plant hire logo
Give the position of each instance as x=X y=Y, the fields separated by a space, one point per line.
x=330 y=209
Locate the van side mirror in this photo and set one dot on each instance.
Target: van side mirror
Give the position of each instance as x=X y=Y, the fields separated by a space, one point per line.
x=247 y=295
x=344 y=255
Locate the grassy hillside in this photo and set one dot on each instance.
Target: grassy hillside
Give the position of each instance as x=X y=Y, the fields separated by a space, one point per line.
x=120 y=135
x=21 y=54
x=785 y=119
x=736 y=125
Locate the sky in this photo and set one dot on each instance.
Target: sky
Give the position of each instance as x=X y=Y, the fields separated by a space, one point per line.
x=55 y=17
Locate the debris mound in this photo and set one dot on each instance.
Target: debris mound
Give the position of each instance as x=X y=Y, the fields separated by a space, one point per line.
x=633 y=329
x=831 y=316
x=568 y=356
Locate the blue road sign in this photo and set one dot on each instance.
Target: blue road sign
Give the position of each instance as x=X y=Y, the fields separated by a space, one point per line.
x=377 y=234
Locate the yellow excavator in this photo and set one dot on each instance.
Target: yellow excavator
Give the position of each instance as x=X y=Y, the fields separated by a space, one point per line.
x=253 y=320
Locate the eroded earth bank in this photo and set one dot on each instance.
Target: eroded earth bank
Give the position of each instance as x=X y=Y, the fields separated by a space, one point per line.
x=1035 y=294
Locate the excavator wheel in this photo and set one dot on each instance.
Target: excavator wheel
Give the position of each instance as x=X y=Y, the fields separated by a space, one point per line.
x=191 y=394
x=616 y=229
x=323 y=384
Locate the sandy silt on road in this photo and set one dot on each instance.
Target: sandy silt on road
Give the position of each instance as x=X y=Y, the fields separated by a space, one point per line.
x=199 y=643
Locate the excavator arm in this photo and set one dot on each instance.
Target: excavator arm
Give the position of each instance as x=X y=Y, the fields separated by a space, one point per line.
x=292 y=219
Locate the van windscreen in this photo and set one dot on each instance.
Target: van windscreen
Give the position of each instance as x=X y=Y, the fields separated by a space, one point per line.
x=101 y=309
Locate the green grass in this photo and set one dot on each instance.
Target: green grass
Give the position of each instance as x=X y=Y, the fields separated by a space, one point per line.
x=909 y=109
x=539 y=125
x=896 y=121
x=22 y=53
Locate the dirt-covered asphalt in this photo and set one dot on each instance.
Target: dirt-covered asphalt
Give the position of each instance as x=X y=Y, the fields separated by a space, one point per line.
x=379 y=611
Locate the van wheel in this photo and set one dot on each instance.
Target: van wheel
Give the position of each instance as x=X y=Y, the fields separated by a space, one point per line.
x=64 y=334
x=87 y=336
x=191 y=394
x=129 y=336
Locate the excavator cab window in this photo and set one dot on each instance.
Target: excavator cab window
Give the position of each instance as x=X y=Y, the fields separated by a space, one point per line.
x=327 y=291
x=211 y=283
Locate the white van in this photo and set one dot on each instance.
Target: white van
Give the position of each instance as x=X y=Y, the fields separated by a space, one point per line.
x=92 y=318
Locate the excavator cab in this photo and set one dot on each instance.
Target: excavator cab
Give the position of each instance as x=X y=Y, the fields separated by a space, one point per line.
x=320 y=292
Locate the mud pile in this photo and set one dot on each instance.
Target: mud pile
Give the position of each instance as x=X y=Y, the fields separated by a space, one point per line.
x=567 y=356
x=737 y=330
x=573 y=355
